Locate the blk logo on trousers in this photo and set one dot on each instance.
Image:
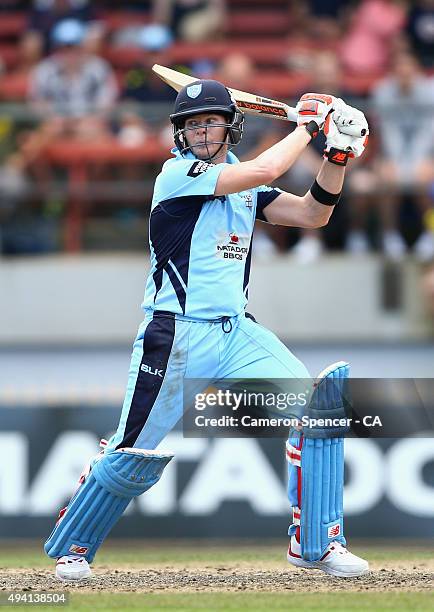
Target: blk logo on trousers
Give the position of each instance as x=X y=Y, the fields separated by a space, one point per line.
x=150 y=370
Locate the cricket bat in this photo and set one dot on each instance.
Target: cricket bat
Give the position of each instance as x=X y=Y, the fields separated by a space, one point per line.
x=247 y=102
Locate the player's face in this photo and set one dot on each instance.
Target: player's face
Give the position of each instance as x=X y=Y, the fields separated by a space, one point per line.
x=205 y=134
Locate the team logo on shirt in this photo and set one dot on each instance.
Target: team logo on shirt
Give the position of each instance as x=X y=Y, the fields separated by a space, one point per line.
x=233 y=246
x=199 y=167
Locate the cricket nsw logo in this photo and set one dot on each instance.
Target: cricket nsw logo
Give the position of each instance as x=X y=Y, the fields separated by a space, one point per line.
x=233 y=246
x=194 y=90
x=334 y=531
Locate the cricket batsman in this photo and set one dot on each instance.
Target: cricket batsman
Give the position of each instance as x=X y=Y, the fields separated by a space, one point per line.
x=195 y=323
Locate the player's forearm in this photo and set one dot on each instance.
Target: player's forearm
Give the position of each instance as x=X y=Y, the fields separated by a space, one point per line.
x=331 y=177
x=266 y=167
x=320 y=200
x=280 y=157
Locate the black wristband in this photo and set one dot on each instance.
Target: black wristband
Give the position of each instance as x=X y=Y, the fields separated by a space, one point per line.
x=324 y=197
x=312 y=128
x=338 y=157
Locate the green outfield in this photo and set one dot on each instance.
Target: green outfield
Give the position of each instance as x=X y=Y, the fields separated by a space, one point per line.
x=233 y=576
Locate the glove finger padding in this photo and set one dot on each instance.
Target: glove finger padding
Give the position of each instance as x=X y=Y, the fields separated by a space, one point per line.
x=314 y=107
x=341 y=146
x=349 y=118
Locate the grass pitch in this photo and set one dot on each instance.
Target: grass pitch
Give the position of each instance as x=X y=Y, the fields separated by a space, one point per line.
x=231 y=576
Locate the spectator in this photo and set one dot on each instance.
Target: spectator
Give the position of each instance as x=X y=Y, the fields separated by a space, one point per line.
x=72 y=83
x=133 y=131
x=46 y=14
x=405 y=126
x=323 y=19
x=373 y=35
x=72 y=91
x=29 y=54
x=325 y=76
x=420 y=30
x=153 y=37
x=404 y=103
x=141 y=84
x=237 y=70
x=191 y=20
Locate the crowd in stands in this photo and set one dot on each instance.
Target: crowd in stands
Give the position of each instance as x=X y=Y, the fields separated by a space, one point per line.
x=82 y=70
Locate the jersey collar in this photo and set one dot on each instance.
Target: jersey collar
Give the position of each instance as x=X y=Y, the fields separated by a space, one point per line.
x=230 y=159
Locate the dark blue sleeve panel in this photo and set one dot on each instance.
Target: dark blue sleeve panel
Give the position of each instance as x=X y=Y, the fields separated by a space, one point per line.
x=265 y=196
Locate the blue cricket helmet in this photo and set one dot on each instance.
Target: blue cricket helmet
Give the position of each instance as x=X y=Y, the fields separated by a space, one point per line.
x=206 y=96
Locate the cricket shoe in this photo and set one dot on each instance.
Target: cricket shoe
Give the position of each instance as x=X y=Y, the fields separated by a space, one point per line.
x=71 y=567
x=337 y=560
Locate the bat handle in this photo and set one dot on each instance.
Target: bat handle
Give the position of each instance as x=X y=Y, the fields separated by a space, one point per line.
x=292 y=114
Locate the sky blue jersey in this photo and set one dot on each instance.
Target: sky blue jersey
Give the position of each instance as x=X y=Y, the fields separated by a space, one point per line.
x=201 y=244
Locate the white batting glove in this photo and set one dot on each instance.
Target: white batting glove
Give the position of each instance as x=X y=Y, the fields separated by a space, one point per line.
x=340 y=147
x=312 y=111
x=349 y=120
